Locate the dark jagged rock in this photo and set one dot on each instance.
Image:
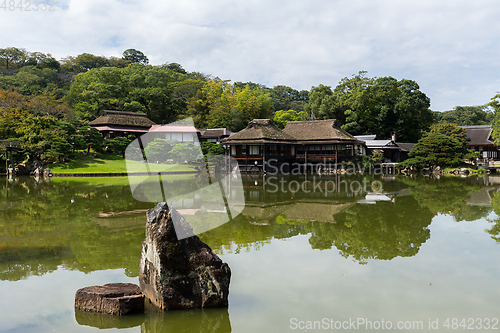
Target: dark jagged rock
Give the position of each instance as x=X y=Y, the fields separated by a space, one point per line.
x=180 y=274
x=112 y=298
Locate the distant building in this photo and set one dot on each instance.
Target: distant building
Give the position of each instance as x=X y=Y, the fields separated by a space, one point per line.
x=214 y=135
x=393 y=151
x=481 y=141
x=121 y=123
x=176 y=132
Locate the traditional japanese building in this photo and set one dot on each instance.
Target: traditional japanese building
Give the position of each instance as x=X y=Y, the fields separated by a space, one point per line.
x=481 y=141
x=261 y=146
x=121 y=123
x=214 y=135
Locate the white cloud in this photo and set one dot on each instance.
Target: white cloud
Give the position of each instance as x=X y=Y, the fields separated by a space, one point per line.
x=449 y=47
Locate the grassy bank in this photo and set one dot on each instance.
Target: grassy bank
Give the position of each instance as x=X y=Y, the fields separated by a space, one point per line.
x=112 y=164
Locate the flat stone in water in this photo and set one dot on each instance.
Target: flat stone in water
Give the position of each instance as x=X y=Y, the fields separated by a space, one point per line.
x=112 y=298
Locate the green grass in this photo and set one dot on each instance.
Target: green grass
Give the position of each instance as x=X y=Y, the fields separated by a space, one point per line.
x=112 y=164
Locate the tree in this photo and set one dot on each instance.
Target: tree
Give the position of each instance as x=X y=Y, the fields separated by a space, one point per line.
x=495 y=104
x=435 y=149
x=83 y=62
x=211 y=148
x=184 y=152
x=158 y=149
x=466 y=116
x=42 y=60
x=135 y=56
x=379 y=106
x=117 y=145
x=13 y=57
x=175 y=67
x=454 y=131
x=282 y=117
x=137 y=88
x=287 y=98
x=219 y=104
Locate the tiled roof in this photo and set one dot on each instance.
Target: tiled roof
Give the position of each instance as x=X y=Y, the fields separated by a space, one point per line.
x=122 y=118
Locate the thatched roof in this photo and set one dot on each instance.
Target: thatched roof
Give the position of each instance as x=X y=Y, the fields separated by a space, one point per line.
x=122 y=118
x=317 y=131
x=260 y=131
x=479 y=135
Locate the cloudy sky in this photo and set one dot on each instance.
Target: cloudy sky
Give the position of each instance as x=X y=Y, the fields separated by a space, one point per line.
x=449 y=47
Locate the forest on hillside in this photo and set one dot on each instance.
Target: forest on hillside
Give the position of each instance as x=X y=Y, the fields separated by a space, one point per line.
x=44 y=102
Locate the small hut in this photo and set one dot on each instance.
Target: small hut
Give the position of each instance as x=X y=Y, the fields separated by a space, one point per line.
x=121 y=123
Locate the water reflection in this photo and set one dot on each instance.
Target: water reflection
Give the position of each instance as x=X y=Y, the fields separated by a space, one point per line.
x=90 y=225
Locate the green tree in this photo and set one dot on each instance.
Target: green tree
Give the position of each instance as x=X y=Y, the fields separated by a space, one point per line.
x=13 y=57
x=135 y=56
x=173 y=66
x=435 y=149
x=137 y=88
x=158 y=149
x=83 y=62
x=287 y=98
x=454 y=131
x=42 y=60
x=211 y=148
x=495 y=104
x=466 y=116
x=220 y=104
x=379 y=106
x=184 y=152
x=282 y=117
x=117 y=145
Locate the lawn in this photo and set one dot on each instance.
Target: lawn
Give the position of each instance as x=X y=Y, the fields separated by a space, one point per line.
x=113 y=164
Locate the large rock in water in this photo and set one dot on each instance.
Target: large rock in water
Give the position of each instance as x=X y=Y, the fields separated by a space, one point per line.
x=180 y=274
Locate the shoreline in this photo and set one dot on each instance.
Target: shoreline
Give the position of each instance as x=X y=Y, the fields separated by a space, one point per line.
x=122 y=174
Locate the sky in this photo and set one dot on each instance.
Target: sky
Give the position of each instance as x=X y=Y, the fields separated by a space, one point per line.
x=449 y=47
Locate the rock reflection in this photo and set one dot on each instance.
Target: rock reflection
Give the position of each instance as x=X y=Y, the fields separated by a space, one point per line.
x=105 y=321
x=196 y=320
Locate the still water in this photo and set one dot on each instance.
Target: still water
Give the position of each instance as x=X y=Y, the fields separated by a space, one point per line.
x=363 y=253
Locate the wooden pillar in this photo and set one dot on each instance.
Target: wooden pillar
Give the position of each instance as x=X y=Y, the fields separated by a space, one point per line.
x=264 y=158
x=305 y=169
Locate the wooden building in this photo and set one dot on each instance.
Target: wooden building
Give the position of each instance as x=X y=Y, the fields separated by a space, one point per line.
x=481 y=141
x=214 y=135
x=121 y=123
x=302 y=145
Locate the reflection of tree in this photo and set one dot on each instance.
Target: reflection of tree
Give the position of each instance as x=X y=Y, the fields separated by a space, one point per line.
x=48 y=224
x=380 y=231
x=495 y=230
x=446 y=195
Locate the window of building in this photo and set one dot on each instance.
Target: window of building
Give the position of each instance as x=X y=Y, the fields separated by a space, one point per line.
x=253 y=150
x=177 y=136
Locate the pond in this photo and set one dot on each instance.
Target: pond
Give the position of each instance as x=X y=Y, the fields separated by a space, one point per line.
x=308 y=253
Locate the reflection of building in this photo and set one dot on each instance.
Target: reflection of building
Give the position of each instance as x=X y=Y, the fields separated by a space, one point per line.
x=481 y=140
x=120 y=123
x=261 y=146
x=266 y=213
